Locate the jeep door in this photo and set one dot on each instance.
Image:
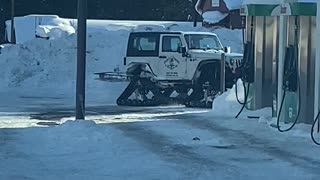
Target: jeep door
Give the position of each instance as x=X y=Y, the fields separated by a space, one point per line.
x=172 y=65
x=143 y=49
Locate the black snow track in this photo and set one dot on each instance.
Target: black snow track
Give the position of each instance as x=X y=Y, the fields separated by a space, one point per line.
x=143 y=86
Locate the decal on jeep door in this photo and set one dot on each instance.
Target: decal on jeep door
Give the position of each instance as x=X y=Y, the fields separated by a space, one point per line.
x=171 y=63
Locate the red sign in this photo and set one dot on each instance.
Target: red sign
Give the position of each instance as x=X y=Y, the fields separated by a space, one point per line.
x=242 y=10
x=283 y=10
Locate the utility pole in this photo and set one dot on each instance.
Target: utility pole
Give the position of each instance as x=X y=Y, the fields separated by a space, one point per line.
x=13 y=36
x=195 y=13
x=81 y=59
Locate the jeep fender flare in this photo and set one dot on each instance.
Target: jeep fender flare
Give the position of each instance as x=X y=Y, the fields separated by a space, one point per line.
x=136 y=68
x=201 y=66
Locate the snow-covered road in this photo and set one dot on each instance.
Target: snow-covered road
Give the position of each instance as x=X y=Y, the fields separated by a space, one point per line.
x=146 y=143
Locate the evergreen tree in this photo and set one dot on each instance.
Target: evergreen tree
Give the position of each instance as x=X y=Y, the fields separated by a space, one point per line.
x=177 y=10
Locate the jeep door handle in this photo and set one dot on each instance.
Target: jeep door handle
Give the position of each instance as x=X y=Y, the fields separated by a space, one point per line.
x=162 y=57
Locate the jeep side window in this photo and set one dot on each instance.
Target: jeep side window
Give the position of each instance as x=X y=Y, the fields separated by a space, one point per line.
x=197 y=41
x=146 y=44
x=171 y=43
x=143 y=45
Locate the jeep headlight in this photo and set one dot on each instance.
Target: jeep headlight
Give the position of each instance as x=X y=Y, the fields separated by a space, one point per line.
x=231 y=62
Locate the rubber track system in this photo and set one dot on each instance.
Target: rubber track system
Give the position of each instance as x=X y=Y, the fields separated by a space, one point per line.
x=143 y=86
x=196 y=99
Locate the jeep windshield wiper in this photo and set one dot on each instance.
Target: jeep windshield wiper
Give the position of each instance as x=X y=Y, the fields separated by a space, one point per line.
x=206 y=48
x=210 y=49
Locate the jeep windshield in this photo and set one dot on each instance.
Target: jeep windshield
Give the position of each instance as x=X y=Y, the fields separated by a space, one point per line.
x=203 y=41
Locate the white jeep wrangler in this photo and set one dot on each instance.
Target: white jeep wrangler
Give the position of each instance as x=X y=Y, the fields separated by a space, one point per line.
x=180 y=67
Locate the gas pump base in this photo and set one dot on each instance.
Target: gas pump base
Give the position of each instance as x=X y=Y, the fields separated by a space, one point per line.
x=289 y=109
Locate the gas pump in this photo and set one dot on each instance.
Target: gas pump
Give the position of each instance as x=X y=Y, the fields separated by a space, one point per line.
x=247 y=69
x=316 y=122
x=291 y=79
x=260 y=54
x=300 y=65
x=245 y=47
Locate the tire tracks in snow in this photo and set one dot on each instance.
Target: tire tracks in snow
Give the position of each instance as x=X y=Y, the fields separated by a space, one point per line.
x=250 y=142
x=183 y=157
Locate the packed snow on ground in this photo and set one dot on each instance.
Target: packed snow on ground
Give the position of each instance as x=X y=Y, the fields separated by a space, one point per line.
x=175 y=147
x=227 y=106
x=164 y=145
x=78 y=150
x=154 y=146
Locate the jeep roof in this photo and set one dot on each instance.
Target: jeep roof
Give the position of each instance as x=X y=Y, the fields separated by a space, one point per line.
x=173 y=32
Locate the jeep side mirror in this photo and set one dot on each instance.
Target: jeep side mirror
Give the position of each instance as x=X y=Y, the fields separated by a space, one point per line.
x=182 y=50
x=227 y=49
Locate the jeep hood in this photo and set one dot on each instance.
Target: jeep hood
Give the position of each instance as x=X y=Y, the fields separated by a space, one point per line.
x=234 y=55
x=211 y=54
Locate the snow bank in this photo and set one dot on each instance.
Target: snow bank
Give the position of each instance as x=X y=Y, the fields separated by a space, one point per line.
x=227 y=105
x=53 y=28
x=53 y=32
x=39 y=62
x=213 y=16
x=27 y=27
x=227 y=102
